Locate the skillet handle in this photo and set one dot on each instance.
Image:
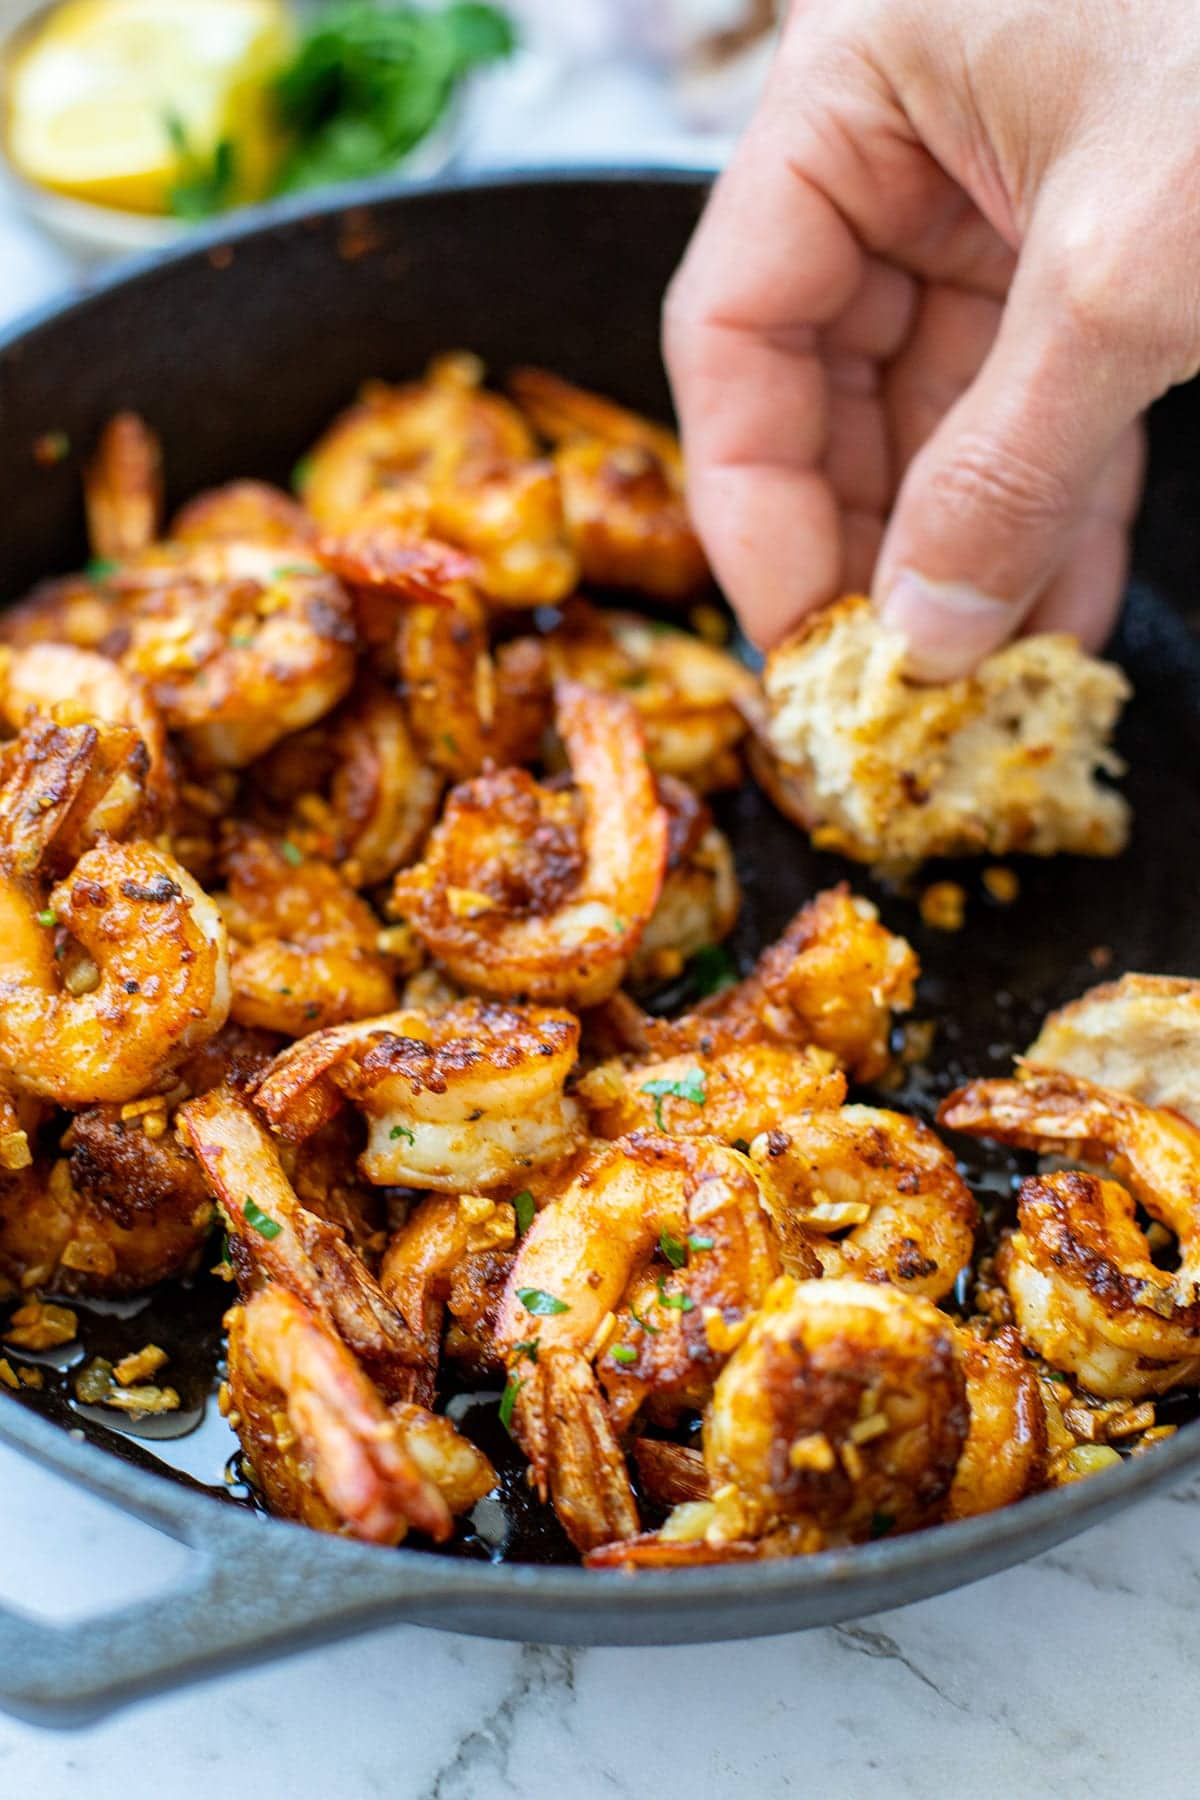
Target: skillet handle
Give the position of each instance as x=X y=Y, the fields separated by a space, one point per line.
x=252 y=1588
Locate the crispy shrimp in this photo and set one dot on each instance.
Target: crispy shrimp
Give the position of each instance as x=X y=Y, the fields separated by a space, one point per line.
x=451 y=1256
x=245 y=512
x=911 y=1217
x=122 y=488
x=834 y=979
x=273 y=1239
x=698 y=905
x=143 y=975
x=1084 y=1289
x=695 y=1207
x=1004 y=1457
x=240 y=643
x=515 y=898
x=73 y=685
x=686 y=692
x=622 y=488
x=304 y=945
x=467 y=1098
x=733 y=1092
x=337 y=1460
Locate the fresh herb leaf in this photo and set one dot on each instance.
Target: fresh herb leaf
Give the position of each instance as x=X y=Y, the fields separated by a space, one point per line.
x=100 y=568
x=522 y=1205
x=451 y=742
x=675 y=1302
x=262 y=1222
x=508 y=1400
x=47 y=917
x=700 y=1243
x=881 y=1524
x=528 y=1347
x=401 y=1131
x=290 y=854
x=742 y=1145
x=684 y=1087
x=283 y=990
x=712 y=969
x=536 y=1300
x=672 y=1249
x=644 y=1323
x=622 y=1353
x=207 y=183
x=302 y=474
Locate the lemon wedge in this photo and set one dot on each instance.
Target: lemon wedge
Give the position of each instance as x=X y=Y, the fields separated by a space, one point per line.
x=119 y=101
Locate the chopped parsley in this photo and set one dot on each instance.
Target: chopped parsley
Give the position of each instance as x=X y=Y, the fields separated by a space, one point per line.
x=283 y=990
x=522 y=1205
x=401 y=1131
x=302 y=473
x=672 y=1249
x=208 y=181
x=541 y=1304
x=623 y=1353
x=48 y=917
x=451 y=742
x=742 y=1145
x=683 y=1087
x=262 y=1222
x=99 y=568
x=700 y=1243
x=508 y=1400
x=712 y=968
x=644 y=1323
x=290 y=854
x=528 y=1347
x=676 y=1302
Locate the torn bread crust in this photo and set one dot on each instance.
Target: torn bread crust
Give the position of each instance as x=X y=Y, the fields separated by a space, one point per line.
x=891 y=772
x=1140 y=1035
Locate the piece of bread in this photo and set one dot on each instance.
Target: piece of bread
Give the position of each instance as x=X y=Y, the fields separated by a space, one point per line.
x=891 y=772
x=1140 y=1035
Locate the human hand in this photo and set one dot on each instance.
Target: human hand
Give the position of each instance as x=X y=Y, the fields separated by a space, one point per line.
x=953 y=259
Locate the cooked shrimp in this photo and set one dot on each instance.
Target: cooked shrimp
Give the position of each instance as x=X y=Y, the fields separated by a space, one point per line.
x=833 y=979
x=272 y=1238
x=240 y=643
x=122 y=488
x=305 y=947
x=733 y=1092
x=512 y=899
x=1079 y=1273
x=698 y=905
x=94 y=1239
x=79 y=610
x=1004 y=1457
x=462 y=1099
x=451 y=1256
x=686 y=692
x=337 y=1460
x=62 y=789
x=911 y=1217
x=73 y=685
x=152 y=979
x=622 y=489
x=246 y=512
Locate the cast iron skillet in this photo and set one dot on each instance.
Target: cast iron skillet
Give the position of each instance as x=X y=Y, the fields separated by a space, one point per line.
x=239 y=351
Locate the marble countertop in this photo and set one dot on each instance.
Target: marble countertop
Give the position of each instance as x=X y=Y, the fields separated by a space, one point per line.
x=1070 y=1676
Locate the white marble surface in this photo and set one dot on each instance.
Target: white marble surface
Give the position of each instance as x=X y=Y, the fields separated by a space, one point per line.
x=1073 y=1676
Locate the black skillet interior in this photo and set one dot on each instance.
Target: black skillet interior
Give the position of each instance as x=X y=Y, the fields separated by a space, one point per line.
x=238 y=354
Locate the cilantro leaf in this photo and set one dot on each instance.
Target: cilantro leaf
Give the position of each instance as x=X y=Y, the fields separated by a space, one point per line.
x=712 y=968
x=683 y=1087
x=262 y=1222
x=623 y=1353
x=537 y=1301
x=508 y=1400
x=523 y=1206
x=672 y=1249
x=674 y=1302
x=402 y=1131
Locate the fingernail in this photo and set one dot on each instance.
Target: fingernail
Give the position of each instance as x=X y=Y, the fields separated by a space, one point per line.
x=949 y=626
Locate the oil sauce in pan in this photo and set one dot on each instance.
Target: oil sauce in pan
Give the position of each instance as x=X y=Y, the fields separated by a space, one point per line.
x=983 y=994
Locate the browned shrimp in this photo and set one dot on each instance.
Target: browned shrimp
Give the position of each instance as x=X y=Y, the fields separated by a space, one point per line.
x=336 y=1460
x=246 y=512
x=698 y=905
x=305 y=946
x=240 y=642
x=273 y=1239
x=466 y=1098
x=1079 y=1272
x=1004 y=1457
x=122 y=488
x=451 y=1256
x=733 y=1092
x=513 y=899
x=622 y=488
x=911 y=1218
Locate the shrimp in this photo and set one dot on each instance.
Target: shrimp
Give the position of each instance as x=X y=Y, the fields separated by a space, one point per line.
x=697 y=1208
x=622 y=489
x=148 y=979
x=337 y=1460
x=513 y=899
x=467 y=1098
x=687 y=693
x=1004 y=1457
x=239 y=643
x=305 y=947
x=698 y=905
x=734 y=1092
x=73 y=685
x=273 y=1239
x=833 y=979
x=246 y=512
x=911 y=1217
x=122 y=488
x=452 y=1255
x=1078 y=1270
x=78 y=610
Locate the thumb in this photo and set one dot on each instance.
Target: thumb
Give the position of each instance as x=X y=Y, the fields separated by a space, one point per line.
x=990 y=507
